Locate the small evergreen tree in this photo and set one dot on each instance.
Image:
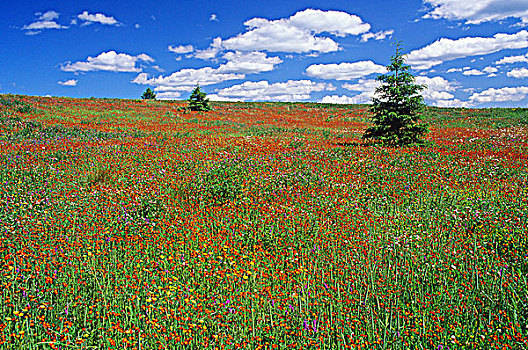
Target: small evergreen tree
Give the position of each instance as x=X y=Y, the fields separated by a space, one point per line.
x=396 y=107
x=148 y=95
x=198 y=100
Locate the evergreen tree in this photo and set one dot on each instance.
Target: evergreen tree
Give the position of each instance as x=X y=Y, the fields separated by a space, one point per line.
x=396 y=107
x=148 y=95
x=198 y=100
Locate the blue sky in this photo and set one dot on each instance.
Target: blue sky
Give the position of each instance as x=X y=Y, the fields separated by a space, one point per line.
x=469 y=53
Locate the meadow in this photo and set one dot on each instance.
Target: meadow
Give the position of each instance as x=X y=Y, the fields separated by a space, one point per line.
x=129 y=224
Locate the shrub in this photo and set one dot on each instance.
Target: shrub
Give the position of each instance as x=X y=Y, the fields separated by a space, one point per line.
x=99 y=176
x=17 y=105
x=221 y=184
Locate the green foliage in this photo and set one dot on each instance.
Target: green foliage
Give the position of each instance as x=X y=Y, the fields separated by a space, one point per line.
x=17 y=129
x=198 y=100
x=148 y=95
x=101 y=175
x=10 y=101
x=396 y=109
x=221 y=184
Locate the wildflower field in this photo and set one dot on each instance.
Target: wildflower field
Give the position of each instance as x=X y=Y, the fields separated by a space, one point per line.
x=129 y=224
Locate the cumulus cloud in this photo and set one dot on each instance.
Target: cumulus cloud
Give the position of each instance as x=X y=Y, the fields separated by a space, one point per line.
x=364 y=97
x=248 y=62
x=345 y=70
x=211 y=51
x=291 y=90
x=47 y=16
x=444 y=49
x=472 y=72
x=333 y=22
x=71 y=82
x=185 y=79
x=97 y=18
x=475 y=12
x=505 y=94
x=168 y=95
x=513 y=59
x=108 y=61
x=237 y=66
x=518 y=73
x=377 y=36
x=181 y=49
x=490 y=71
x=439 y=90
x=364 y=85
x=215 y=97
x=298 y=33
x=46 y=20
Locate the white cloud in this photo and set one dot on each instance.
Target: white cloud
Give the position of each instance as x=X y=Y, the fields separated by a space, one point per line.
x=71 y=82
x=505 y=94
x=108 y=61
x=444 y=49
x=475 y=72
x=472 y=72
x=213 y=17
x=368 y=85
x=211 y=51
x=518 y=73
x=187 y=78
x=162 y=88
x=334 y=22
x=48 y=16
x=145 y=57
x=215 y=97
x=513 y=59
x=490 y=70
x=279 y=38
x=97 y=18
x=181 y=49
x=439 y=92
x=377 y=36
x=237 y=66
x=43 y=25
x=291 y=90
x=248 y=62
x=168 y=95
x=364 y=97
x=475 y=12
x=44 y=21
x=345 y=70
x=297 y=33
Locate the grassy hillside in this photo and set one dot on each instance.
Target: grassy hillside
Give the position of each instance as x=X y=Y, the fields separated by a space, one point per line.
x=138 y=225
